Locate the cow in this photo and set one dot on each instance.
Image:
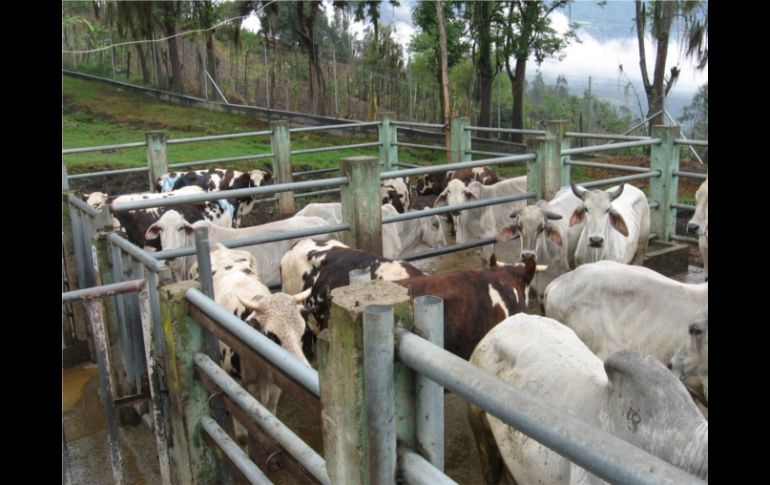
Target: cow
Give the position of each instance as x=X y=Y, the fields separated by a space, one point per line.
x=174 y=232
x=631 y=396
x=545 y=236
x=435 y=183
x=616 y=224
x=692 y=360
x=396 y=192
x=97 y=200
x=613 y=306
x=699 y=223
x=137 y=222
x=482 y=222
x=217 y=179
x=398 y=238
x=238 y=289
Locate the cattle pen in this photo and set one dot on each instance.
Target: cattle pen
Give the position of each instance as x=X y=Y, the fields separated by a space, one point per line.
x=377 y=393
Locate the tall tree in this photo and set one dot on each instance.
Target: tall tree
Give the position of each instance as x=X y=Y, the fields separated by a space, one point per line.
x=306 y=18
x=444 y=73
x=527 y=31
x=695 y=115
x=484 y=16
x=661 y=16
x=170 y=15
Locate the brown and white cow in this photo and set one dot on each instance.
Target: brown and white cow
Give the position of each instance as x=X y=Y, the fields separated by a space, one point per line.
x=396 y=192
x=435 y=183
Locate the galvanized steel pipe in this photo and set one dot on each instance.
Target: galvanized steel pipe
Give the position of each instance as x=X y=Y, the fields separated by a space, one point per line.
x=304 y=454
x=684 y=239
x=317 y=192
x=418 y=471
x=457 y=166
x=417 y=145
x=230 y=194
x=685 y=141
x=104 y=290
x=107 y=172
x=479 y=152
x=611 y=146
x=448 y=249
x=429 y=324
x=137 y=253
x=217 y=137
x=81 y=205
x=334 y=127
x=414 y=123
x=335 y=148
x=601 y=453
x=70 y=151
x=692 y=175
x=456 y=207
x=605 y=136
x=317 y=171
x=683 y=207
x=306 y=376
x=624 y=178
x=213 y=161
x=231 y=449
x=610 y=166
x=505 y=130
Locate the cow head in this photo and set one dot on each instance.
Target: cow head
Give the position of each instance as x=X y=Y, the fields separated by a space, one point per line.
x=597 y=212
x=532 y=224
x=699 y=223
x=693 y=358
x=431 y=183
x=456 y=193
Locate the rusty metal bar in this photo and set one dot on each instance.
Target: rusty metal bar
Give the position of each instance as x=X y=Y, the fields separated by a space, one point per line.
x=105 y=290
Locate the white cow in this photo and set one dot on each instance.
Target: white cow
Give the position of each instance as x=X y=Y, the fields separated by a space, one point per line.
x=175 y=232
x=693 y=358
x=617 y=224
x=398 y=238
x=545 y=235
x=483 y=222
x=700 y=223
x=613 y=306
x=631 y=396
x=277 y=315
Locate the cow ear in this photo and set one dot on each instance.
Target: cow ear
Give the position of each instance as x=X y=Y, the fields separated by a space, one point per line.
x=152 y=232
x=552 y=234
x=616 y=220
x=469 y=195
x=188 y=229
x=440 y=200
x=508 y=232
x=578 y=216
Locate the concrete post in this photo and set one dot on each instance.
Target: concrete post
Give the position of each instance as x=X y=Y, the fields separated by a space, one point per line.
x=361 y=204
x=182 y=338
x=536 y=168
x=341 y=373
x=157 y=161
x=460 y=139
x=280 y=142
x=388 y=134
x=663 y=189
x=558 y=128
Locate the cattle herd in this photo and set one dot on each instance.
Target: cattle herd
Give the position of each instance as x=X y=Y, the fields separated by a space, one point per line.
x=615 y=346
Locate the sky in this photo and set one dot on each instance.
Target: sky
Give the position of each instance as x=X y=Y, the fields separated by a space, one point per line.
x=608 y=40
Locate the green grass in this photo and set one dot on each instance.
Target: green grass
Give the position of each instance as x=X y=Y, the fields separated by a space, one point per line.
x=96 y=114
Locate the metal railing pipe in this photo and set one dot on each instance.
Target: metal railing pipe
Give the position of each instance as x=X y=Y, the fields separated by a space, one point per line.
x=685 y=239
x=685 y=141
x=235 y=193
x=692 y=175
x=255 y=240
x=137 y=253
x=456 y=166
x=686 y=207
x=107 y=172
x=334 y=127
x=610 y=166
x=624 y=178
x=653 y=205
x=314 y=172
x=214 y=161
x=605 y=136
x=306 y=376
x=416 y=470
x=317 y=192
x=611 y=146
x=228 y=136
x=234 y=453
x=479 y=152
x=418 y=145
x=410 y=165
x=104 y=290
x=70 y=151
x=448 y=249
x=599 y=452
x=406 y=216
x=429 y=324
x=505 y=130
x=82 y=206
x=417 y=124
x=295 y=446
x=335 y=148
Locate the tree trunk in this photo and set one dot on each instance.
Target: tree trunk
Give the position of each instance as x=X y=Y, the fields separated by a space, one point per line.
x=662 y=17
x=146 y=74
x=486 y=76
x=169 y=21
x=517 y=93
x=445 y=109
x=211 y=56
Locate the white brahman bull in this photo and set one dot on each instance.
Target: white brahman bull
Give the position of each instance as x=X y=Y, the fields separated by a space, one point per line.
x=699 y=223
x=617 y=224
x=631 y=396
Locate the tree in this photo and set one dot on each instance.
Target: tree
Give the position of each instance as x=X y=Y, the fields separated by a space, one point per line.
x=527 y=31
x=483 y=16
x=446 y=113
x=695 y=33
x=170 y=14
x=696 y=114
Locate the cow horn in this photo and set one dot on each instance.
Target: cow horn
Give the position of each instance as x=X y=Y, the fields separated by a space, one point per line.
x=540 y=268
x=515 y=213
x=614 y=194
x=579 y=191
x=255 y=306
x=301 y=297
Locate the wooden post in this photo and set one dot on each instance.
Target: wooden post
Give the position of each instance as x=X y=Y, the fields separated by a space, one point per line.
x=388 y=134
x=182 y=337
x=460 y=140
x=361 y=203
x=341 y=375
x=156 y=156
x=545 y=149
x=558 y=128
x=551 y=167
x=280 y=140
x=663 y=189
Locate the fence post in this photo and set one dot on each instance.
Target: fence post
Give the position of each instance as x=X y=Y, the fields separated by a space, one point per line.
x=558 y=128
x=346 y=430
x=460 y=139
x=182 y=338
x=388 y=135
x=361 y=203
x=541 y=172
x=280 y=141
x=156 y=156
x=663 y=189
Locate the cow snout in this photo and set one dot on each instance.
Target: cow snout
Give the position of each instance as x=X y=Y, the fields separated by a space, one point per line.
x=692 y=227
x=596 y=241
x=527 y=255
